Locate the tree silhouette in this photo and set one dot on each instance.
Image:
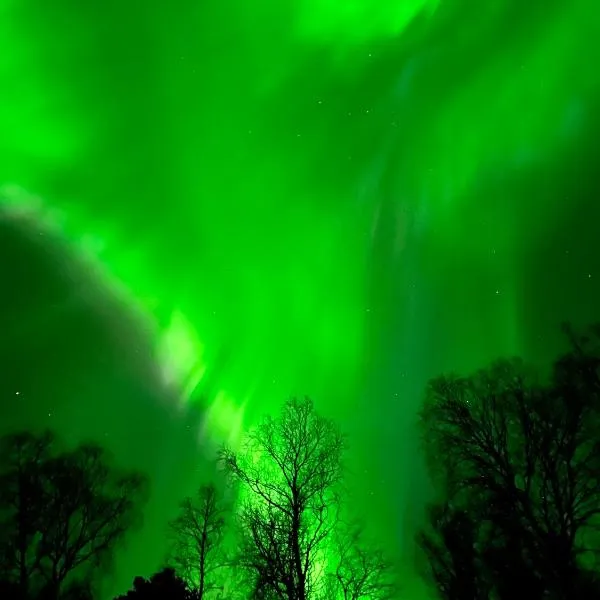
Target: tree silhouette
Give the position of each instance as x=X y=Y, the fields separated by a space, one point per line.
x=522 y=458
x=362 y=570
x=90 y=507
x=164 y=585
x=22 y=505
x=289 y=468
x=62 y=514
x=198 y=534
x=450 y=545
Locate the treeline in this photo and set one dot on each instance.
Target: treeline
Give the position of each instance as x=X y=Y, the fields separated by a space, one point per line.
x=278 y=526
x=514 y=455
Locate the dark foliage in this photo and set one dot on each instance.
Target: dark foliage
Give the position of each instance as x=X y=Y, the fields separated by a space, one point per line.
x=165 y=585
x=517 y=460
x=61 y=515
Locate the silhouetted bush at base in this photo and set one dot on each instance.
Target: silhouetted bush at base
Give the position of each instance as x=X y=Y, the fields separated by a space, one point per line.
x=165 y=585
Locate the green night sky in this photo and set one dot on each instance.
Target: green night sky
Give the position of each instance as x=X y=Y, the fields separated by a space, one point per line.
x=211 y=205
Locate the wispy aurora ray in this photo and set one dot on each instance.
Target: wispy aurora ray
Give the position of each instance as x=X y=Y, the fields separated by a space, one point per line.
x=178 y=351
x=272 y=268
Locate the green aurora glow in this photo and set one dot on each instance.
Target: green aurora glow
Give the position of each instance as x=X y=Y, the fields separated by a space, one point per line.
x=241 y=201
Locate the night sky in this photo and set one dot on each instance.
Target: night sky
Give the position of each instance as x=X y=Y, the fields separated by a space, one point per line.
x=211 y=205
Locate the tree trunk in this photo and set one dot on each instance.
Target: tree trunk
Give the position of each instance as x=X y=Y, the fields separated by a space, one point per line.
x=298 y=567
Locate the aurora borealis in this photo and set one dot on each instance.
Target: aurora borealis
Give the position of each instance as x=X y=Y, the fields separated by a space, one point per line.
x=210 y=206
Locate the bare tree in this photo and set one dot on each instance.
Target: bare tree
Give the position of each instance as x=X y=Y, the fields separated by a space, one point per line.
x=22 y=504
x=264 y=555
x=198 y=534
x=59 y=513
x=90 y=507
x=289 y=469
x=363 y=570
x=523 y=456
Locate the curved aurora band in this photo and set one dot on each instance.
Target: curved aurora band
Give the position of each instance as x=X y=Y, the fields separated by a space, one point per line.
x=283 y=192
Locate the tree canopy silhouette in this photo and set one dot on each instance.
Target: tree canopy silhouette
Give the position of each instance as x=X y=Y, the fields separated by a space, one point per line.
x=198 y=533
x=23 y=457
x=62 y=514
x=164 y=585
x=518 y=459
x=288 y=469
